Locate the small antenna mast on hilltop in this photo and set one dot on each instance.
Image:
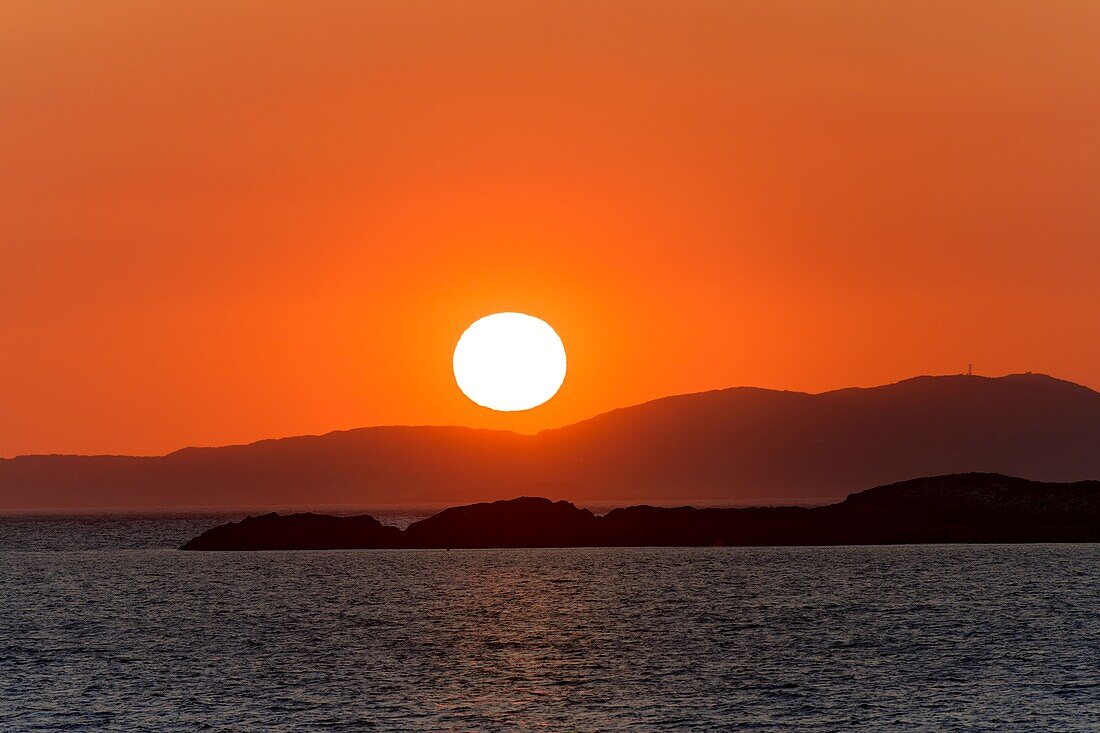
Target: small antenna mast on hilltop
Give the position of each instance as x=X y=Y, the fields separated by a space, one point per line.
x=970 y=370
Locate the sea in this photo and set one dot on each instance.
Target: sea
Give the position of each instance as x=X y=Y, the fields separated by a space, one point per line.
x=106 y=626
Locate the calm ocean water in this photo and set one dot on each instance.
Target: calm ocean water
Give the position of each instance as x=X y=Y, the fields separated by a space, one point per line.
x=145 y=638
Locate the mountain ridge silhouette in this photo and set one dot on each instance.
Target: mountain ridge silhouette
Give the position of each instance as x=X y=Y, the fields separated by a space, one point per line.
x=736 y=444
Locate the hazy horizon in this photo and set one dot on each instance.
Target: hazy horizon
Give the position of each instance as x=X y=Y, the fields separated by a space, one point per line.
x=734 y=447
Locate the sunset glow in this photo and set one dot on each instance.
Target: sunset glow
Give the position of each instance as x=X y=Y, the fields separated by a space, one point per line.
x=224 y=223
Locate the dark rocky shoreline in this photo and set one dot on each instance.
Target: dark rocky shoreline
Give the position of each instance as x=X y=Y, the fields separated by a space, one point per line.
x=974 y=507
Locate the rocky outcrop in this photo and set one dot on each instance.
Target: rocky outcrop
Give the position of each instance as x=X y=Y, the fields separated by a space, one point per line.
x=522 y=522
x=298 y=532
x=981 y=507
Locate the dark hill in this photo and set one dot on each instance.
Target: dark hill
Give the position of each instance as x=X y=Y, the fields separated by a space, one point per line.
x=958 y=508
x=740 y=444
x=746 y=443
x=298 y=532
x=523 y=522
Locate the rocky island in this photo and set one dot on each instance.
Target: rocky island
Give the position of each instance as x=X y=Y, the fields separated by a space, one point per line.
x=972 y=507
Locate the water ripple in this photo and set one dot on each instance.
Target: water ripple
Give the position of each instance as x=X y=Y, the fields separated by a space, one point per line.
x=815 y=639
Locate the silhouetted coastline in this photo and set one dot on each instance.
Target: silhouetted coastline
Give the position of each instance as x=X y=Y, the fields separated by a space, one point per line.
x=730 y=447
x=972 y=507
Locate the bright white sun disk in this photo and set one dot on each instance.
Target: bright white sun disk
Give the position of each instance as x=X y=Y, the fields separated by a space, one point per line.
x=509 y=362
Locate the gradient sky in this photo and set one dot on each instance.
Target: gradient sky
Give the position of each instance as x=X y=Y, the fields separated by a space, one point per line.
x=221 y=222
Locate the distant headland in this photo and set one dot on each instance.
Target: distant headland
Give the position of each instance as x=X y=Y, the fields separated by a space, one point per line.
x=732 y=446
x=974 y=507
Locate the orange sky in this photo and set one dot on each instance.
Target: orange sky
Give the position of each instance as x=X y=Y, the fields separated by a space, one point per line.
x=227 y=221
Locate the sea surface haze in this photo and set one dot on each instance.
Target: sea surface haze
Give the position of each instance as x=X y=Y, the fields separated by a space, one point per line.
x=147 y=638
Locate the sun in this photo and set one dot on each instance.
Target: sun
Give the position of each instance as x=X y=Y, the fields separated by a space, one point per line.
x=509 y=362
